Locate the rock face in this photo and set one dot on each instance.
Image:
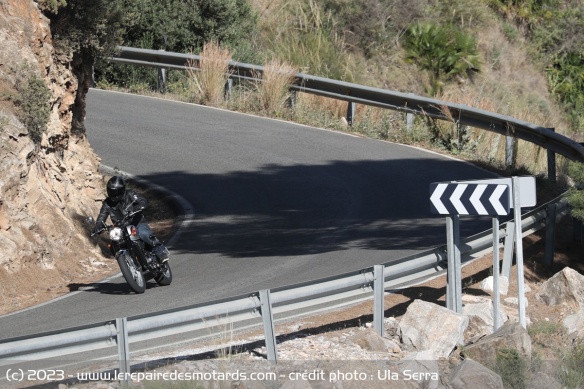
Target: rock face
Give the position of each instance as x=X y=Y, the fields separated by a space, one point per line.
x=48 y=186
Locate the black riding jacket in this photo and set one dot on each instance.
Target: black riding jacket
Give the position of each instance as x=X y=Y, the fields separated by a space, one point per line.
x=130 y=203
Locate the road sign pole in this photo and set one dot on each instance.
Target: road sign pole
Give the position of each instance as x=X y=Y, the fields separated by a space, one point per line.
x=508 y=248
x=457 y=264
x=496 y=274
x=450 y=263
x=454 y=271
x=519 y=251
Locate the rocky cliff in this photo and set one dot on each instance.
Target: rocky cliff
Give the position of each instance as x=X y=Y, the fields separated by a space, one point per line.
x=47 y=184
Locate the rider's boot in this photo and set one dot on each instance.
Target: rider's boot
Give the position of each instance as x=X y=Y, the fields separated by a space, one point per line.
x=159 y=250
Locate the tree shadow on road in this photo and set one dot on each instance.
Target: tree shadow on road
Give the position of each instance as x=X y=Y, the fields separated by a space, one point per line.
x=308 y=209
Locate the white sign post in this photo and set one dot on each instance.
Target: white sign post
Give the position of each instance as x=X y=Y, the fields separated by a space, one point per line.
x=454 y=272
x=496 y=276
x=519 y=250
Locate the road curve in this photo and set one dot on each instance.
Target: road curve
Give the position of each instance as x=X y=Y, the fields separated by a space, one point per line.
x=276 y=203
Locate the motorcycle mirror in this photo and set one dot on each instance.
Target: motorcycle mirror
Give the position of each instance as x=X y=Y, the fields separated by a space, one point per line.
x=90 y=220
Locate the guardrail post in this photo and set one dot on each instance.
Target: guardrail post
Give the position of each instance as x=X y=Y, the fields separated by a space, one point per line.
x=123 y=347
x=291 y=100
x=510 y=152
x=268 y=320
x=508 y=250
x=550 y=235
x=409 y=121
x=378 y=299
x=161 y=80
x=228 y=89
x=551 y=160
x=350 y=112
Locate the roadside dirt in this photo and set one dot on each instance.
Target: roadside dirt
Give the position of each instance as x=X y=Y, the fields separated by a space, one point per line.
x=160 y=217
x=549 y=344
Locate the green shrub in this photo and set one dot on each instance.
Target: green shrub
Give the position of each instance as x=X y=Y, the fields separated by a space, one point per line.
x=571 y=373
x=524 y=11
x=183 y=27
x=544 y=328
x=576 y=193
x=51 y=5
x=34 y=108
x=445 y=51
x=512 y=368
x=566 y=79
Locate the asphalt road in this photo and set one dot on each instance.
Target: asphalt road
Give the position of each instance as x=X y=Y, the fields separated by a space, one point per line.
x=276 y=203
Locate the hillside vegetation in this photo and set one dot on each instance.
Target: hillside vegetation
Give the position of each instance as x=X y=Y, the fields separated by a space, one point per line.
x=522 y=58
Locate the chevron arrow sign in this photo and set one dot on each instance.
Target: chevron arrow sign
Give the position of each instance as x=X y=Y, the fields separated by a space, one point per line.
x=469 y=199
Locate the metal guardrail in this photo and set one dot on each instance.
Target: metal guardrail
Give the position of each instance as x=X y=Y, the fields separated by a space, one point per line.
x=249 y=311
x=354 y=93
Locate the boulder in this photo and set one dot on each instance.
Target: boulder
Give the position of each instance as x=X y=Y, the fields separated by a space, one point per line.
x=371 y=341
x=565 y=287
x=515 y=301
x=542 y=380
x=510 y=336
x=471 y=374
x=427 y=326
x=487 y=284
x=574 y=325
x=422 y=368
x=391 y=326
x=481 y=319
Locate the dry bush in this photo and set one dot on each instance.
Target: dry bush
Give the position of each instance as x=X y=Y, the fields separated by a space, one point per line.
x=490 y=146
x=329 y=107
x=273 y=89
x=208 y=79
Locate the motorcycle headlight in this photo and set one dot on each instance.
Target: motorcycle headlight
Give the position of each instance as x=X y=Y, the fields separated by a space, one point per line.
x=115 y=234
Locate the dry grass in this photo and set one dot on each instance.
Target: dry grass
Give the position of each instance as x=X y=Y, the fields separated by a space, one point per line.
x=491 y=146
x=330 y=107
x=208 y=77
x=273 y=89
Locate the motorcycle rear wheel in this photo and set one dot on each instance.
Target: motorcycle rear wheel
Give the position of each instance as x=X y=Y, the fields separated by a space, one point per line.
x=132 y=273
x=165 y=276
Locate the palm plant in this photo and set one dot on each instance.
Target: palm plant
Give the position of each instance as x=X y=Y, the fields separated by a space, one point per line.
x=444 y=51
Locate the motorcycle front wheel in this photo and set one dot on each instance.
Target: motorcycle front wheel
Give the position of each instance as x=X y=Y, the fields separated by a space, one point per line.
x=164 y=278
x=132 y=273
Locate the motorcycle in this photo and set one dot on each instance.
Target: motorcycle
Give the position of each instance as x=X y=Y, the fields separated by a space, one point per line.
x=136 y=262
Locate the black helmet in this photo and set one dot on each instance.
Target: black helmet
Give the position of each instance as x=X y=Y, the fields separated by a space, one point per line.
x=116 y=187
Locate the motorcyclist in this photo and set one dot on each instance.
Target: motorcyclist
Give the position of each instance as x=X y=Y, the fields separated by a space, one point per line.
x=119 y=203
